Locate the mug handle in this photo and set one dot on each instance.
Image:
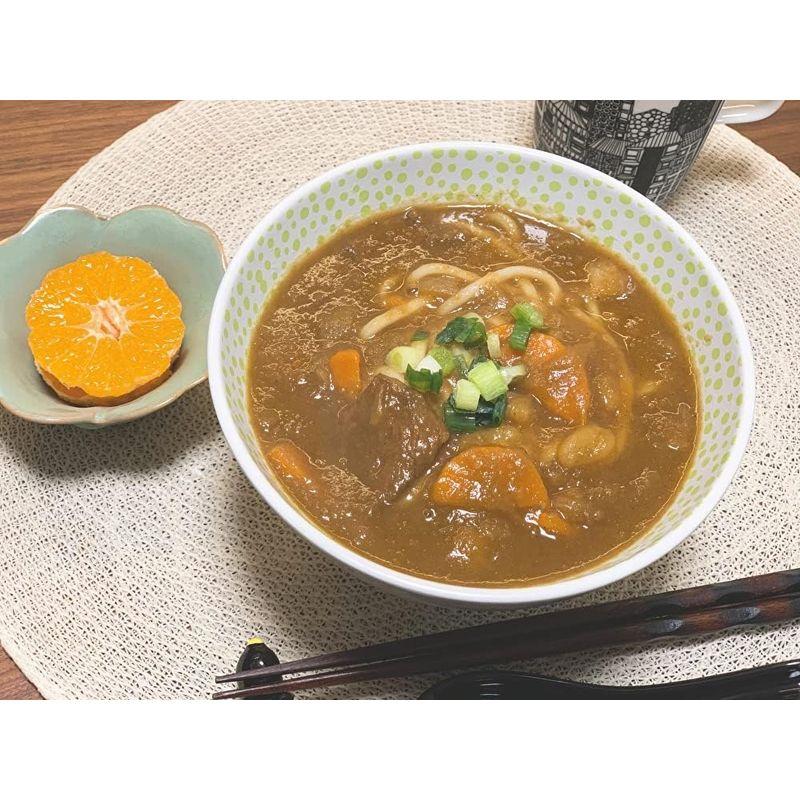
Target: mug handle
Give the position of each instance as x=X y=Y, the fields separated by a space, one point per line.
x=736 y=111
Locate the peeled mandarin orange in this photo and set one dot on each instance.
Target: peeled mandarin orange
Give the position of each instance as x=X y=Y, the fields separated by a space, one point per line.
x=104 y=329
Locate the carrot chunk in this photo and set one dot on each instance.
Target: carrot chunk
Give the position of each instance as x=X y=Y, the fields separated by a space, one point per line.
x=542 y=349
x=553 y=522
x=490 y=478
x=293 y=465
x=557 y=378
x=345 y=366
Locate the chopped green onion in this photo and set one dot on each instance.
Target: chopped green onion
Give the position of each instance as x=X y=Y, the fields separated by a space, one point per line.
x=421 y=347
x=461 y=365
x=477 y=334
x=423 y=380
x=497 y=413
x=429 y=363
x=447 y=361
x=469 y=331
x=516 y=371
x=466 y=396
x=486 y=415
x=525 y=312
x=488 y=379
x=519 y=336
x=459 y=421
x=493 y=345
x=398 y=358
x=461 y=352
x=419 y=336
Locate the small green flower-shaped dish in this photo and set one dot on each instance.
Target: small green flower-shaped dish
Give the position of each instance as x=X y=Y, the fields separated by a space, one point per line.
x=188 y=255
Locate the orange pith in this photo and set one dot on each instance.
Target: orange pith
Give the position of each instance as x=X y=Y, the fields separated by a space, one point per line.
x=104 y=328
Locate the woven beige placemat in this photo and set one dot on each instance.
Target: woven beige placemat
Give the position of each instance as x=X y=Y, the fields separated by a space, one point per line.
x=134 y=561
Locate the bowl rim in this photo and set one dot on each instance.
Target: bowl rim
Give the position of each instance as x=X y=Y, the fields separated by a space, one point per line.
x=456 y=594
x=98 y=416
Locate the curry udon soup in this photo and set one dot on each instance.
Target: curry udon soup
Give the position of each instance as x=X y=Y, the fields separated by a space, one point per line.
x=471 y=395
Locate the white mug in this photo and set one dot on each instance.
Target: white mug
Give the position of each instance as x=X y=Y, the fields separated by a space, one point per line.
x=647 y=144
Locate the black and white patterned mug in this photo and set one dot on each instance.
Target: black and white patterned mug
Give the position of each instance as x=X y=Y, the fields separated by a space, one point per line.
x=647 y=144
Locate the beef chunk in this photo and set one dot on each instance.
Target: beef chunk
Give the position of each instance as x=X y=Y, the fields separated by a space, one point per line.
x=391 y=435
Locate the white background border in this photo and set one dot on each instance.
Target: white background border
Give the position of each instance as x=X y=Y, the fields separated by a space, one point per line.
x=408 y=49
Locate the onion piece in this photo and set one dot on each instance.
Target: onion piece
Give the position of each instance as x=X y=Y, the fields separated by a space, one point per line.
x=512 y=372
x=496 y=240
x=493 y=346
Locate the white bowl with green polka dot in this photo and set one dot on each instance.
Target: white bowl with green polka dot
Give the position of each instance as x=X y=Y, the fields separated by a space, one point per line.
x=543 y=185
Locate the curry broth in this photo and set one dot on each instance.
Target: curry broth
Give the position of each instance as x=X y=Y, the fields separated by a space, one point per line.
x=641 y=382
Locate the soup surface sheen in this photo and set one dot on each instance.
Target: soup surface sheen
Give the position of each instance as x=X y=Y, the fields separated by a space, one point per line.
x=579 y=454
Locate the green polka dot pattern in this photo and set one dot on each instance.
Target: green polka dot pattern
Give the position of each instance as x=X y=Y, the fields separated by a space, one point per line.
x=618 y=219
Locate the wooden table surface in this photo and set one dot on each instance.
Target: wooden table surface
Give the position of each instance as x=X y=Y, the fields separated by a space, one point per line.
x=43 y=143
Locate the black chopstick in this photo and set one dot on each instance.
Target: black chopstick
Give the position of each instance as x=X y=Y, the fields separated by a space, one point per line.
x=705 y=621
x=715 y=607
x=636 y=608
